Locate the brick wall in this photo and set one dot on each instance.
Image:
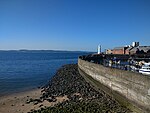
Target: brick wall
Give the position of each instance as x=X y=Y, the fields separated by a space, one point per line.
x=118 y=51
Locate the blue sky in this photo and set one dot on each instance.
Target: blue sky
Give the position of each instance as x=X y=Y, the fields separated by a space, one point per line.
x=73 y=24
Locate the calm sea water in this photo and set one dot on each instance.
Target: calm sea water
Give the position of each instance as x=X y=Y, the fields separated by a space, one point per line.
x=24 y=70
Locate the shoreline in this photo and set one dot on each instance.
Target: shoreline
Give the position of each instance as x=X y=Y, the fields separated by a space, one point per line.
x=18 y=92
x=17 y=102
x=66 y=90
x=81 y=95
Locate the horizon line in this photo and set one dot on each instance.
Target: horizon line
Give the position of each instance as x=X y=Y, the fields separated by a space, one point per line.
x=45 y=50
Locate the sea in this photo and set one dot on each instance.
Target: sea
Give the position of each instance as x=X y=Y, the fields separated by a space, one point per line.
x=25 y=70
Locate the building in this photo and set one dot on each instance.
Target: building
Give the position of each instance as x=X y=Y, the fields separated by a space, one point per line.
x=130 y=49
x=127 y=51
x=119 y=50
x=109 y=51
x=135 y=44
x=140 y=50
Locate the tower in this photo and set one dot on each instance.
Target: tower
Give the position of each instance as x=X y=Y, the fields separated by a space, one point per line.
x=99 y=49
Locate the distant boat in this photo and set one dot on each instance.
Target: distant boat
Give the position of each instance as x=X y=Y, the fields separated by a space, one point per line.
x=145 y=69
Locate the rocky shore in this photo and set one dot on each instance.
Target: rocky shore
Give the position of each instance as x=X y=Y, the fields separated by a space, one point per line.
x=80 y=96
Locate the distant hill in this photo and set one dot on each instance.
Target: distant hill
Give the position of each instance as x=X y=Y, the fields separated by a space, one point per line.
x=45 y=51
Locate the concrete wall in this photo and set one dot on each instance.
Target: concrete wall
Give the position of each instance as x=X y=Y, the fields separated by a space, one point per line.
x=131 y=86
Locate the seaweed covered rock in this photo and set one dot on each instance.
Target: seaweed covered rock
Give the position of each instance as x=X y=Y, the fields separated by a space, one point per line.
x=83 y=98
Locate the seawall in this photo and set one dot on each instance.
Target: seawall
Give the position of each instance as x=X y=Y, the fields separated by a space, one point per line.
x=131 y=89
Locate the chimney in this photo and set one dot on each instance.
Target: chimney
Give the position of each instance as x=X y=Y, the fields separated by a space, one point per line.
x=135 y=44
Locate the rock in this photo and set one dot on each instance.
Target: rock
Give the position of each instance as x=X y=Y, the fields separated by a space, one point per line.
x=41 y=105
x=12 y=105
x=49 y=99
x=35 y=102
x=68 y=81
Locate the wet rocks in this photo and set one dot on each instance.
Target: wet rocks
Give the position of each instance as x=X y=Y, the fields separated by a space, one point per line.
x=51 y=99
x=82 y=96
x=34 y=101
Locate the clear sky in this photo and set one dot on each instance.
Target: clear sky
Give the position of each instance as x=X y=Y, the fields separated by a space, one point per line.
x=73 y=24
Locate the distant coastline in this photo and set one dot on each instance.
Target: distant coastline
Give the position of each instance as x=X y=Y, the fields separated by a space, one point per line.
x=52 y=51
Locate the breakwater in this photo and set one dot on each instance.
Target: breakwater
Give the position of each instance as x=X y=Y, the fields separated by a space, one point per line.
x=131 y=89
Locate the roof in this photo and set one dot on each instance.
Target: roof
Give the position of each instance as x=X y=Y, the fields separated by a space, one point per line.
x=144 y=48
x=129 y=48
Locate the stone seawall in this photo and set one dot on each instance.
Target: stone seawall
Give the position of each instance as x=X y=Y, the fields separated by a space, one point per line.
x=132 y=87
